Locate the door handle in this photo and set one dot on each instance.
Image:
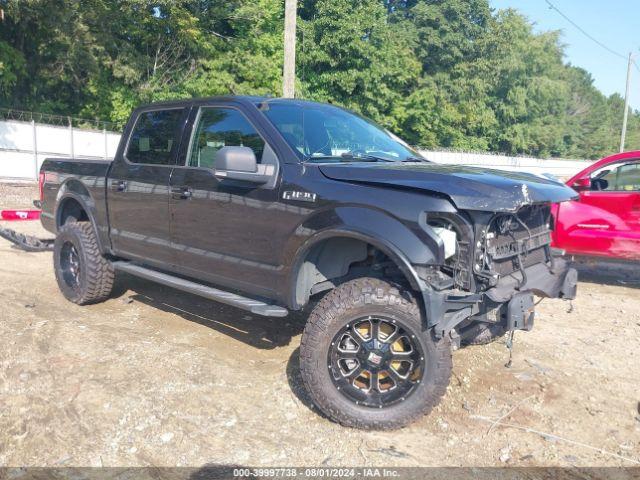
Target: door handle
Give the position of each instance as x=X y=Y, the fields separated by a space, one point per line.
x=181 y=193
x=118 y=185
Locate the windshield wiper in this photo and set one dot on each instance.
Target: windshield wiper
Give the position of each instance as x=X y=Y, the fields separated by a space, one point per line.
x=366 y=157
x=349 y=158
x=376 y=158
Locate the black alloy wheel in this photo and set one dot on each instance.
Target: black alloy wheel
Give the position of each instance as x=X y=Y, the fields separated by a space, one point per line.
x=375 y=361
x=366 y=358
x=70 y=265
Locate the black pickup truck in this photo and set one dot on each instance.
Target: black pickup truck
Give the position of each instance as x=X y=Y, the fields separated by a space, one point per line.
x=275 y=205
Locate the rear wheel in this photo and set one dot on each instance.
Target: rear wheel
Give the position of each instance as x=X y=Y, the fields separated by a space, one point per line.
x=366 y=360
x=84 y=276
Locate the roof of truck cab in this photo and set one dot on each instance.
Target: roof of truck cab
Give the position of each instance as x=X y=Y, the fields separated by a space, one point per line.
x=252 y=99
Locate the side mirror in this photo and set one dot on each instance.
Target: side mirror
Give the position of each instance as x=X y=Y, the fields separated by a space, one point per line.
x=582 y=184
x=239 y=163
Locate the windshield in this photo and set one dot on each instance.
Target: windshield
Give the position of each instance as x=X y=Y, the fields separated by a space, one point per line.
x=324 y=133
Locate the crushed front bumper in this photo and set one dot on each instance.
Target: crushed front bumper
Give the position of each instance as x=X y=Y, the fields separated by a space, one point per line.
x=559 y=281
x=510 y=301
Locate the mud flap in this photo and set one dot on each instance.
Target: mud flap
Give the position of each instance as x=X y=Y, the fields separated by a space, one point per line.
x=521 y=312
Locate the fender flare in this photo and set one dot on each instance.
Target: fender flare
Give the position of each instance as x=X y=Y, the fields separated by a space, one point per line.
x=404 y=246
x=369 y=237
x=73 y=189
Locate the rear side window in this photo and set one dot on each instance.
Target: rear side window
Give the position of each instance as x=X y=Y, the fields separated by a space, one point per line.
x=222 y=127
x=155 y=137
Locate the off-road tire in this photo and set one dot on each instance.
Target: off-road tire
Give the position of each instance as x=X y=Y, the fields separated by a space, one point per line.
x=371 y=296
x=96 y=273
x=480 y=333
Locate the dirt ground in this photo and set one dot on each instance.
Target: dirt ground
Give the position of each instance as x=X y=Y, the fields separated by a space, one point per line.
x=158 y=377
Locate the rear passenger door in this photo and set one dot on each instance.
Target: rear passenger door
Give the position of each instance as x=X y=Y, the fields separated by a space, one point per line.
x=222 y=229
x=138 y=186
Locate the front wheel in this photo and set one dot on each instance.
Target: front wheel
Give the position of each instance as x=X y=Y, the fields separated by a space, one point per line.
x=366 y=359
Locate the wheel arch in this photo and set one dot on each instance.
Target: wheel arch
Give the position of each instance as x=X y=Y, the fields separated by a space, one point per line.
x=75 y=201
x=299 y=286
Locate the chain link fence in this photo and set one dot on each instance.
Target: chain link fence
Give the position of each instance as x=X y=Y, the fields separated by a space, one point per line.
x=56 y=120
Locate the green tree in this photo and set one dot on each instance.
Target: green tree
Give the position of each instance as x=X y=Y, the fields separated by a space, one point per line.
x=246 y=56
x=351 y=55
x=12 y=67
x=440 y=73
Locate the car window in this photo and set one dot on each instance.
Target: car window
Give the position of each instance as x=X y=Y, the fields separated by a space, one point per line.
x=623 y=177
x=322 y=133
x=628 y=178
x=155 y=137
x=219 y=127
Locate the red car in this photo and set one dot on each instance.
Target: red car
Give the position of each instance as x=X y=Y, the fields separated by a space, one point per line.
x=605 y=220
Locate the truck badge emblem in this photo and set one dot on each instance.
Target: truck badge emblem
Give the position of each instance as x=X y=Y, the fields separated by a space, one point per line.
x=300 y=196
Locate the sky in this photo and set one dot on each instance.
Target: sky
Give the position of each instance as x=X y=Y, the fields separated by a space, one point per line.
x=615 y=23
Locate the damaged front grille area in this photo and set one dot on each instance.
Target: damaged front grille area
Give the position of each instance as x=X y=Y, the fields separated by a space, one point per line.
x=491 y=246
x=515 y=241
x=508 y=248
x=461 y=268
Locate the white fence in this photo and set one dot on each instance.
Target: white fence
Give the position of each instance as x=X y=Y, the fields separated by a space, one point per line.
x=559 y=168
x=25 y=145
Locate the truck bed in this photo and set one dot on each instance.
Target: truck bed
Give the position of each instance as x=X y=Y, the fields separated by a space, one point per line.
x=72 y=175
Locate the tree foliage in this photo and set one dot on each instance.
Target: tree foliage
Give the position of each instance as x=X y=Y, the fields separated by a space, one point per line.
x=440 y=73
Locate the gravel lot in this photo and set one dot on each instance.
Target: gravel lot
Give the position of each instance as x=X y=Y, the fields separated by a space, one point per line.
x=158 y=377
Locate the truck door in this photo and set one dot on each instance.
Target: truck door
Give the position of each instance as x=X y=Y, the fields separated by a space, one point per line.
x=606 y=219
x=138 y=186
x=222 y=228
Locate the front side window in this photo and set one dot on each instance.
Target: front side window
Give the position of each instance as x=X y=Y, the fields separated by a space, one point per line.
x=326 y=133
x=617 y=178
x=222 y=127
x=155 y=137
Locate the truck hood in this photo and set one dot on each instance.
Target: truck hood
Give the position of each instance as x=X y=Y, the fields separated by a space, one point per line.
x=469 y=188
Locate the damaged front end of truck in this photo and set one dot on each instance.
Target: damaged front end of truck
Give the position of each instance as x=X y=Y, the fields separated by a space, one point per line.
x=495 y=250
x=501 y=261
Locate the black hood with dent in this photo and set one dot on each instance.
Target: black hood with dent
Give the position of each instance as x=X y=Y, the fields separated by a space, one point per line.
x=469 y=188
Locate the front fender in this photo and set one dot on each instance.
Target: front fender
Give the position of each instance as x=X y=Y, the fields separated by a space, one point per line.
x=406 y=246
x=412 y=241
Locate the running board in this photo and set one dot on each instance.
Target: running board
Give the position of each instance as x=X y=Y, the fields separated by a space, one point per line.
x=254 y=306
